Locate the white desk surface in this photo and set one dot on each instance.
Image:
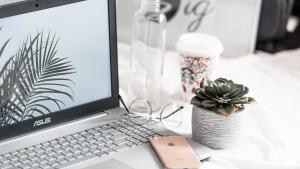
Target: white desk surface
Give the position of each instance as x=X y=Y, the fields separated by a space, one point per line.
x=272 y=125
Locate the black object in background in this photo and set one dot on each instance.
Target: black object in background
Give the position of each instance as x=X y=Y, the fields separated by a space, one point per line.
x=292 y=39
x=170 y=8
x=272 y=34
x=296 y=8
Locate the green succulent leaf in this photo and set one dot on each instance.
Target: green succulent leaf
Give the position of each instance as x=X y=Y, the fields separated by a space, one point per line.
x=209 y=103
x=203 y=84
x=201 y=96
x=229 y=108
x=195 y=101
x=242 y=91
x=222 y=96
x=245 y=100
x=210 y=92
x=220 y=110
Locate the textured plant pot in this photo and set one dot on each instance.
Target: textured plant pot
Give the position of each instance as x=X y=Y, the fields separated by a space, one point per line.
x=217 y=131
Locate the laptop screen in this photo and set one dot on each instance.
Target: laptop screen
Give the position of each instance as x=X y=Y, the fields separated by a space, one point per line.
x=54 y=59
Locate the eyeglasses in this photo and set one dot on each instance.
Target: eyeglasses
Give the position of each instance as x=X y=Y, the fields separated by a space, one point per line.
x=170 y=116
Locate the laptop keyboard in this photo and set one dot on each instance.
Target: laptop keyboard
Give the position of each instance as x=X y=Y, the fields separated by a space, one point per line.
x=95 y=142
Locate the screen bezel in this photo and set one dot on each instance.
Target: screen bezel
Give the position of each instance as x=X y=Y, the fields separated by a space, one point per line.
x=74 y=112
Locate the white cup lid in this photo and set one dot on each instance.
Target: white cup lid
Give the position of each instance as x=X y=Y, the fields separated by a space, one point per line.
x=196 y=44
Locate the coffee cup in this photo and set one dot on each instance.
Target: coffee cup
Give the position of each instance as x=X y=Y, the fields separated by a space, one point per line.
x=199 y=55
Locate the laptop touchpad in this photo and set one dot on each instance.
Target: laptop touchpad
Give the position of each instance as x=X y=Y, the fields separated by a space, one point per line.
x=110 y=164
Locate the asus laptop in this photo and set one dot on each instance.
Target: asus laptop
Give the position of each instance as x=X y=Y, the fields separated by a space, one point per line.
x=59 y=104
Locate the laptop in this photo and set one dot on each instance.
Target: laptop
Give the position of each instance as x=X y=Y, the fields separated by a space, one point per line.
x=59 y=104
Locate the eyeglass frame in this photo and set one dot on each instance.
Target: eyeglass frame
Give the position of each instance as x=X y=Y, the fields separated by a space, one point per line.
x=151 y=110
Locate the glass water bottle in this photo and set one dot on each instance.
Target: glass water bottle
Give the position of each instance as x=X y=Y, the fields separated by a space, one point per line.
x=147 y=56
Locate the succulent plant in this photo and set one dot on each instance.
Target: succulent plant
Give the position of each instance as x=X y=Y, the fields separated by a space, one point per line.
x=222 y=96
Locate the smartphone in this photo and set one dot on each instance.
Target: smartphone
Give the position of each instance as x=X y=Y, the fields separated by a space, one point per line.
x=175 y=152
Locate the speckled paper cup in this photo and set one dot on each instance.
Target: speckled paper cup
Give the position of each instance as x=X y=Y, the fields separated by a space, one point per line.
x=199 y=54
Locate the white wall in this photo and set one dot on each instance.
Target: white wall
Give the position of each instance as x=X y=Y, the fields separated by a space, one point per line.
x=235 y=22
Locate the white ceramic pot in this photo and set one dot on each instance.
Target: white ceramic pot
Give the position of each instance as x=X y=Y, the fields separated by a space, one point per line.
x=217 y=131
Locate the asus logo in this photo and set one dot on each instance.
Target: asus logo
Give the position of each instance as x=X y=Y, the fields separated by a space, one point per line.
x=42 y=122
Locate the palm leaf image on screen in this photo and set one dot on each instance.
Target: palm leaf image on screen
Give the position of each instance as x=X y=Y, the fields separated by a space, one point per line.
x=33 y=78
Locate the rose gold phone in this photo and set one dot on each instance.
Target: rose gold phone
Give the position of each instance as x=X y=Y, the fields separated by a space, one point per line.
x=175 y=152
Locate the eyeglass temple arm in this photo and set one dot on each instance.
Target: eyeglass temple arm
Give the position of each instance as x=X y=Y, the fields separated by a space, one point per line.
x=123 y=103
x=126 y=108
x=177 y=110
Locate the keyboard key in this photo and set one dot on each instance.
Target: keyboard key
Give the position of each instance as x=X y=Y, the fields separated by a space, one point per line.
x=91 y=145
x=59 y=156
x=118 y=148
x=82 y=142
x=115 y=132
x=86 y=153
x=12 y=158
x=87 y=135
x=109 y=151
x=37 y=150
x=94 y=132
x=8 y=166
x=61 y=160
x=102 y=148
x=25 y=167
x=122 y=130
x=107 y=141
x=58 y=150
x=106 y=135
x=83 y=148
x=101 y=154
x=75 y=150
x=43 y=155
x=74 y=145
x=67 y=153
x=51 y=159
x=30 y=152
x=118 y=137
x=110 y=145
x=121 y=142
x=22 y=155
x=78 y=155
x=54 y=165
x=90 y=140
x=94 y=150
x=34 y=164
x=17 y=164
x=43 y=162
x=98 y=137
x=99 y=143
x=77 y=136
x=69 y=158
x=130 y=144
